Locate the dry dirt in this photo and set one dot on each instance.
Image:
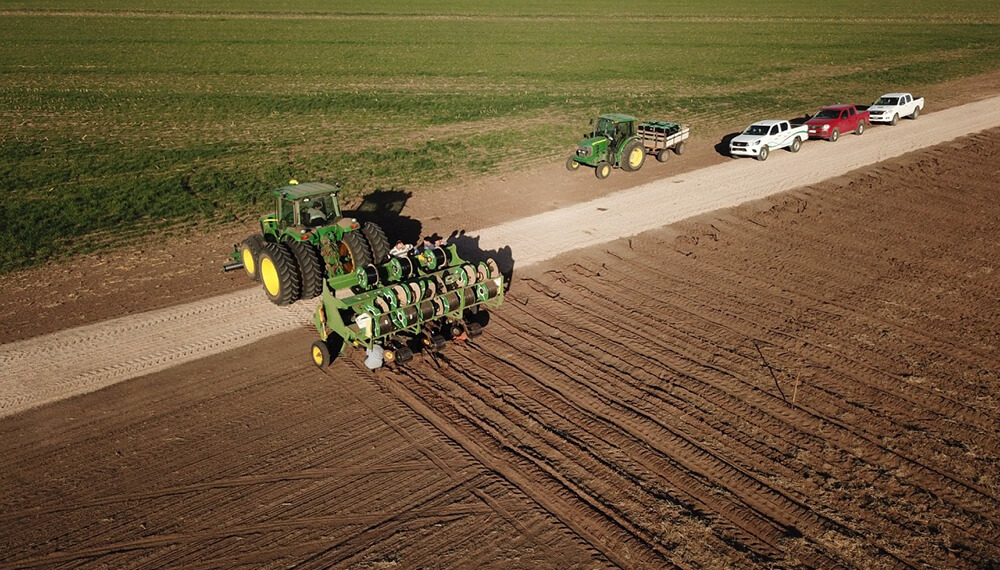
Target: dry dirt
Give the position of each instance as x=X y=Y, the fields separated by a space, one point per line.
x=809 y=380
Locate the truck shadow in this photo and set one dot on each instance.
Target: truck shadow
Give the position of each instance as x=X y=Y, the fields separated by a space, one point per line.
x=722 y=147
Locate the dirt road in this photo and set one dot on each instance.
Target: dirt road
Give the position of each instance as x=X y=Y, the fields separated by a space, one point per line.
x=806 y=380
x=89 y=358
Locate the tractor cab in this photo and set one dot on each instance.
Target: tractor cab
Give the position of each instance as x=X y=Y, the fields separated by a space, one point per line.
x=616 y=128
x=303 y=206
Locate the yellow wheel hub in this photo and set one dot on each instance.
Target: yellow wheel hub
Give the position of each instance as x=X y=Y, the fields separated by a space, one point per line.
x=635 y=157
x=248 y=262
x=317 y=356
x=269 y=274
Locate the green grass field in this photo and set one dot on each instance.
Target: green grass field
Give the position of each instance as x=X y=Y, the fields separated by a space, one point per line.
x=125 y=117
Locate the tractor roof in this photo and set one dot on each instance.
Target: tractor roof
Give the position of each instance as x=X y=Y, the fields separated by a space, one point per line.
x=618 y=117
x=296 y=191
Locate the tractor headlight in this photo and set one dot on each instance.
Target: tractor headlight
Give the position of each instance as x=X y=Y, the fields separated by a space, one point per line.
x=585 y=151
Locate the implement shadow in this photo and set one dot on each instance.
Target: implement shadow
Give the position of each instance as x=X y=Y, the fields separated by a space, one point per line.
x=469 y=248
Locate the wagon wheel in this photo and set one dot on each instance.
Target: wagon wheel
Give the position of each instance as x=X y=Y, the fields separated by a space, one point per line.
x=663 y=154
x=679 y=148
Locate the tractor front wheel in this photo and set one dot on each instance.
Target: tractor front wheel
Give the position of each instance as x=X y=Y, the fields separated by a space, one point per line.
x=633 y=156
x=250 y=255
x=280 y=276
x=572 y=165
x=603 y=170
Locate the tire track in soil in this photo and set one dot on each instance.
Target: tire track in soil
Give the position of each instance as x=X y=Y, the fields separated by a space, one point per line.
x=625 y=386
x=265 y=465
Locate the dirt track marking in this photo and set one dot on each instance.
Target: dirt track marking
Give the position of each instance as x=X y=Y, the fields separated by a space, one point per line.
x=85 y=359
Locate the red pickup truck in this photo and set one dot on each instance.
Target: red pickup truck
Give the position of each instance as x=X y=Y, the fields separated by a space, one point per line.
x=831 y=121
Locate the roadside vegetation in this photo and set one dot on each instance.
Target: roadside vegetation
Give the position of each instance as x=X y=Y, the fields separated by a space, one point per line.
x=125 y=117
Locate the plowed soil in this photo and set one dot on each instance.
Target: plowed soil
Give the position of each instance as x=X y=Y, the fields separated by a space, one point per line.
x=808 y=380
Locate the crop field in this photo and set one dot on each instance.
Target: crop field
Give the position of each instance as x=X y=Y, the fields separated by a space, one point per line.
x=122 y=118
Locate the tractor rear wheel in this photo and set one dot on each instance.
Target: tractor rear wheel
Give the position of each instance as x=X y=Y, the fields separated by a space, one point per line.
x=663 y=154
x=250 y=255
x=355 y=249
x=603 y=170
x=280 y=276
x=633 y=156
x=310 y=267
x=679 y=148
x=377 y=241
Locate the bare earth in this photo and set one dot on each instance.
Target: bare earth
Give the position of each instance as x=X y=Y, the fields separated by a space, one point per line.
x=806 y=380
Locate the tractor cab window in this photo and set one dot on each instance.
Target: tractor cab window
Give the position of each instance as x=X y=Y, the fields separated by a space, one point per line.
x=285 y=212
x=624 y=130
x=316 y=211
x=605 y=128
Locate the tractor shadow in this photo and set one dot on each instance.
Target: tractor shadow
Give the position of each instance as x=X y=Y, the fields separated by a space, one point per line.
x=385 y=207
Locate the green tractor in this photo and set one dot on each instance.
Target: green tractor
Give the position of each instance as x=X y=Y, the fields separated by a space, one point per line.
x=384 y=301
x=614 y=143
x=304 y=241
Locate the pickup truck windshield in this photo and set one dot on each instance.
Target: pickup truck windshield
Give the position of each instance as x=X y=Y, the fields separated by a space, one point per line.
x=756 y=130
x=827 y=114
x=891 y=101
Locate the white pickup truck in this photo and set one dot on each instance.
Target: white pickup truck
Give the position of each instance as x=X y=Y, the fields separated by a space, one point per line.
x=763 y=136
x=891 y=106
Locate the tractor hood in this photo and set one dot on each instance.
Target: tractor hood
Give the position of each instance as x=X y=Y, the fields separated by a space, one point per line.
x=592 y=146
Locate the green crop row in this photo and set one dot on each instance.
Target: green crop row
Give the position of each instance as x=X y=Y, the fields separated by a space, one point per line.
x=121 y=117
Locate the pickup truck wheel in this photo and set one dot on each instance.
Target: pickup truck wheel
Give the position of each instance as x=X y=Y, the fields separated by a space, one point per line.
x=633 y=156
x=861 y=128
x=572 y=165
x=916 y=113
x=762 y=155
x=663 y=155
x=835 y=135
x=895 y=119
x=679 y=148
x=796 y=145
x=603 y=170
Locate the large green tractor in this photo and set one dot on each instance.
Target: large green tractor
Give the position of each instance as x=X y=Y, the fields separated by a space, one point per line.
x=384 y=301
x=306 y=240
x=614 y=143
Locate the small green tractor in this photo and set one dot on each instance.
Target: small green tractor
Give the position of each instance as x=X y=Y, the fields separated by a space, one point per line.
x=387 y=304
x=620 y=141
